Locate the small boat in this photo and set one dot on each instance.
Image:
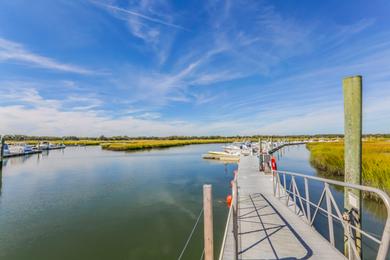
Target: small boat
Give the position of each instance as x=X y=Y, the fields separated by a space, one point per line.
x=6 y=149
x=44 y=146
x=50 y=146
x=20 y=149
x=222 y=156
x=231 y=148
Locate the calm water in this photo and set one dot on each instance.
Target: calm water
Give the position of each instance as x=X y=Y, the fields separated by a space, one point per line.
x=86 y=203
x=296 y=159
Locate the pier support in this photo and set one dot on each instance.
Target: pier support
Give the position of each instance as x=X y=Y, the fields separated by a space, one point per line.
x=1 y=151
x=208 y=222
x=352 y=88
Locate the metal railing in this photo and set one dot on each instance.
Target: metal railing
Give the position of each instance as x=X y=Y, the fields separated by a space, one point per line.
x=233 y=214
x=302 y=207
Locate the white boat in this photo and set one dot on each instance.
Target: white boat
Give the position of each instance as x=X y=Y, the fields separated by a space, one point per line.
x=223 y=156
x=20 y=149
x=44 y=146
x=6 y=149
x=50 y=146
x=231 y=148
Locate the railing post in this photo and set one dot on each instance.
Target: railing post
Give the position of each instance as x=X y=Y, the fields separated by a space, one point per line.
x=294 y=196
x=208 y=222
x=329 y=211
x=352 y=88
x=235 y=218
x=274 y=185
x=307 y=201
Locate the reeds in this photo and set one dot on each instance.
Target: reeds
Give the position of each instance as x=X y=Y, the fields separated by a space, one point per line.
x=329 y=158
x=149 y=144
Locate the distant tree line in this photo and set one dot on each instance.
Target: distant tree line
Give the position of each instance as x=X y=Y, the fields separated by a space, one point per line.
x=175 y=137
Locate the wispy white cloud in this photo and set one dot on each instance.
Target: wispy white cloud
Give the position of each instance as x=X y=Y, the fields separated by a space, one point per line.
x=140 y=15
x=247 y=67
x=12 y=51
x=150 y=21
x=149 y=116
x=26 y=95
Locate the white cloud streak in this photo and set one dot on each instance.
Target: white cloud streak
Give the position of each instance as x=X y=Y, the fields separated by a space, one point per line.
x=12 y=51
x=140 y=15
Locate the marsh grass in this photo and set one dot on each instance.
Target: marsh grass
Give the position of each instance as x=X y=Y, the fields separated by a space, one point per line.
x=150 y=144
x=129 y=145
x=329 y=158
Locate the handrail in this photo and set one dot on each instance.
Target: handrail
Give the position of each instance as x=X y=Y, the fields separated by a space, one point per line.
x=232 y=214
x=225 y=234
x=292 y=193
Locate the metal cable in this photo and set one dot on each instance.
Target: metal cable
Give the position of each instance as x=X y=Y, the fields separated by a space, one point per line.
x=201 y=257
x=190 y=236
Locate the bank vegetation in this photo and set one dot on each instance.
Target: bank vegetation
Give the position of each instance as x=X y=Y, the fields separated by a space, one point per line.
x=329 y=159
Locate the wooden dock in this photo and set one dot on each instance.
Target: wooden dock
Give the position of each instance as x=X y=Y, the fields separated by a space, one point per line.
x=267 y=229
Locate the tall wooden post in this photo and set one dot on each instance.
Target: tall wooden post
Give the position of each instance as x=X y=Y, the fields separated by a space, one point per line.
x=208 y=222
x=352 y=88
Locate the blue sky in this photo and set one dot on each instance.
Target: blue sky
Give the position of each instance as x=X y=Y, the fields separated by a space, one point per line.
x=190 y=67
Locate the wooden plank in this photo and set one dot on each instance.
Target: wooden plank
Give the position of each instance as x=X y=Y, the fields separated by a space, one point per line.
x=267 y=228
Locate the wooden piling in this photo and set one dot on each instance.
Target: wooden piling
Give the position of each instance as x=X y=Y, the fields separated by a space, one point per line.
x=1 y=150
x=208 y=222
x=352 y=88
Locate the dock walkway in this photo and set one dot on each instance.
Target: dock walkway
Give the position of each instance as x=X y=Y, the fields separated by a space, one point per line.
x=267 y=229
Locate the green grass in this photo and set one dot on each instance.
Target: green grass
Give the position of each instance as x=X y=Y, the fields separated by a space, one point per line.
x=329 y=158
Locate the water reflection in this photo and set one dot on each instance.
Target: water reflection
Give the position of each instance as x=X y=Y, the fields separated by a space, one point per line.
x=20 y=159
x=88 y=203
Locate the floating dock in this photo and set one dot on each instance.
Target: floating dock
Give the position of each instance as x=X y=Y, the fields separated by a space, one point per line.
x=229 y=158
x=267 y=229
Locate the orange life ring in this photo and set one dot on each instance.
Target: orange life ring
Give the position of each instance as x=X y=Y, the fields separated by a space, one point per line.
x=229 y=200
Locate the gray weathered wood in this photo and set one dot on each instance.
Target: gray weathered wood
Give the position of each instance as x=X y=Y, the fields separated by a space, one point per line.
x=352 y=88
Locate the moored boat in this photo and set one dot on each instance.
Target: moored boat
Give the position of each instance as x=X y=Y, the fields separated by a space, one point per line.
x=6 y=150
x=49 y=146
x=20 y=149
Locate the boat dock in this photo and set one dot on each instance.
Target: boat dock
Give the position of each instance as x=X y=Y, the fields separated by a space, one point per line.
x=271 y=217
x=24 y=149
x=267 y=229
